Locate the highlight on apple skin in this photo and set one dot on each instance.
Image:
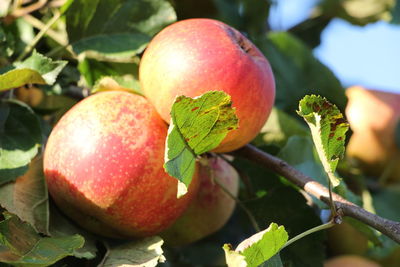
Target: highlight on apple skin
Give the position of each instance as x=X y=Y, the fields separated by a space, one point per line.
x=373 y=116
x=212 y=207
x=103 y=164
x=194 y=56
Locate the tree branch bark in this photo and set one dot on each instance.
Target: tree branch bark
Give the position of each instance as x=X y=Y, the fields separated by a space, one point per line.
x=343 y=206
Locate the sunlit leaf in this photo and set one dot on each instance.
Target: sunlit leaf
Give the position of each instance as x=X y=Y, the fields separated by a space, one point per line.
x=37 y=69
x=328 y=129
x=258 y=248
x=197 y=126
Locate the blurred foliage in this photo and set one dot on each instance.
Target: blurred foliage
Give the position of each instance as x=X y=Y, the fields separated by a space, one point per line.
x=97 y=45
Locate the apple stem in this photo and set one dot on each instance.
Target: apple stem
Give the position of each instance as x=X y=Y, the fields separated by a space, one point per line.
x=309 y=231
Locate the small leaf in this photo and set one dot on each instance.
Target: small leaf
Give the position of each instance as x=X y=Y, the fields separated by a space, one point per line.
x=27 y=197
x=197 y=126
x=36 y=69
x=45 y=66
x=258 y=248
x=112 y=47
x=21 y=245
x=145 y=252
x=328 y=129
x=121 y=83
x=20 y=138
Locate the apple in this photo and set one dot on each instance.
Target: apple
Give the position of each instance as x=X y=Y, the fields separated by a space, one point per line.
x=103 y=165
x=194 y=56
x=212 y=207
x=373 y=116
x=350 y=261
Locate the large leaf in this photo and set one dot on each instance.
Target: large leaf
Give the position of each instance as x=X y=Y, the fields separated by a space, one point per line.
x=197 y=126
x=20 y=245
x=27 y=197
x=35 y=69
x=258 y=248
x=116 y=29
x=297 y=72
x=20 y=138
x=328 y=129
x=112 y=47
x=145 y=252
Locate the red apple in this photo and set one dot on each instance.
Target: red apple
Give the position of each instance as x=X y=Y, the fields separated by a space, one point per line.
x=104 y=167
x=194 y=56
x=373 y=116
x=212 y=207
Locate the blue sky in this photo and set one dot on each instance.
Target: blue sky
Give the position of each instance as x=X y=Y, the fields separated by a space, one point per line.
x=368 y=56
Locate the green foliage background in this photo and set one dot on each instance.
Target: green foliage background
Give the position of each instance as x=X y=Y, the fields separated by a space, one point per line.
x=90 y=40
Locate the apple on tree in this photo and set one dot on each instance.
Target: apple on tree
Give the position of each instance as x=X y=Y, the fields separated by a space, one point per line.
x=195 y=56
x=209 y=211
x=104 y=167
x=373 y=117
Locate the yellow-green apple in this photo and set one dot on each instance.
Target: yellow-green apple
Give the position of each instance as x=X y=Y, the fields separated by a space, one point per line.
x=373 y=116
x=194 y=56
x=350 y=261
x=104 y=167
x=212 y=207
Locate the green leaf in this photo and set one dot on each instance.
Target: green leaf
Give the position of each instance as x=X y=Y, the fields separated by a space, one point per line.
x=115 y=30
x=45 y=66
x=275 y=261
x=258 y=248
x=60 y=226
x=197 y=126
x=286 y=206
x=278 y=128
x=297 y=72
x=35 y=69
x=300 y=153
x=145 y=252
x=19 y=77
x=28 y=198
x=20 y=138
x=396 y=13
x=122 y=83
x=328 y=129
x=125 y=74
x=22 y=246
x=112 y=47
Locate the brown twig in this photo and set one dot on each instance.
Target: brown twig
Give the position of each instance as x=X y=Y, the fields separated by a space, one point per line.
x=343 y=206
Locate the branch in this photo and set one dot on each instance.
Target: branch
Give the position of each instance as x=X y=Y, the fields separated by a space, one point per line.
x=343 y=206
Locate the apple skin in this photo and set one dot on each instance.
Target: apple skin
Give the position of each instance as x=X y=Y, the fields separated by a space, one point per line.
x=350 y=261
x=373 y=116
x=103 y=165
x=194 y=56
x=212 y=207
